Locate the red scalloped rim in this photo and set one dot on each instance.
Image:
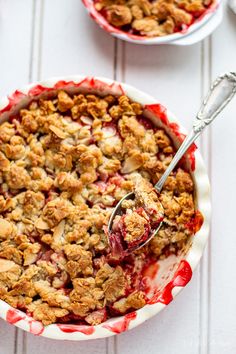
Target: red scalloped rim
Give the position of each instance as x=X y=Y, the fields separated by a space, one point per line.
x=15 y=98
x=35 y=327
x=181 y=278
x=89 y=82
x=67 y=328
x=104 y=24
x=122 y=325
x=13 y=316
x=161 y=113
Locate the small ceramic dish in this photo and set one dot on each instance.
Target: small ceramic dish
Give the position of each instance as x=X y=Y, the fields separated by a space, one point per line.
x=174 y=272
x=200 y=29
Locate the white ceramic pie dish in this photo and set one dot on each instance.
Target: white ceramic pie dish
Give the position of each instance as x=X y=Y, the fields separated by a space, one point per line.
x=200 y=29
x=174 y=272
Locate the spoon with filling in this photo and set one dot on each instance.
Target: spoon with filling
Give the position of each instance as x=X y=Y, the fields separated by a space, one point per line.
x=139 y=215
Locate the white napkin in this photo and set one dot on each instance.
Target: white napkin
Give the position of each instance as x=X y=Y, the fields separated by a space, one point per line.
x=232 y=4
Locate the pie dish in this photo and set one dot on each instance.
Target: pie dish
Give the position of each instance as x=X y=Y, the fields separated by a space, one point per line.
x=70 y=149
x=151 y=22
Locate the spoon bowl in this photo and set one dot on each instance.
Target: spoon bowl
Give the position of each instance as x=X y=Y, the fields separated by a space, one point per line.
x=118 y=211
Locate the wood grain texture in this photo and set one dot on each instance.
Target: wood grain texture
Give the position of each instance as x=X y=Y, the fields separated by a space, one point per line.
x=45 y=38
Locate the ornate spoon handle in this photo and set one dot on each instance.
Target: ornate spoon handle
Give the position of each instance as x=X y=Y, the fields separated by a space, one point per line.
x=220 y=94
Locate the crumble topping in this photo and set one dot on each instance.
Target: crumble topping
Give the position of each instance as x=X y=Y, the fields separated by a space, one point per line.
x=135 y=225
x=152 y=18
x=65 y=162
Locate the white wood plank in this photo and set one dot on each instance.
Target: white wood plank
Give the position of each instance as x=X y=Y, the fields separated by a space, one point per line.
x=73 y=43
x=173 y=76
x=15 y=42
x=205 y=148
x=59 y=51
x=169 y=73
x=43 y=345
x=223 y=261
x=7 y=338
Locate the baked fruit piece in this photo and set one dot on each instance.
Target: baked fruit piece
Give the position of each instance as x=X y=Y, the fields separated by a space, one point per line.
x=64 y=164
x=152 y=18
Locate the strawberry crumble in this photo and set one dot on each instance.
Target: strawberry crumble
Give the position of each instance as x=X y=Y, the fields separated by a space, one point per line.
x=65 y=162
x=152 y=18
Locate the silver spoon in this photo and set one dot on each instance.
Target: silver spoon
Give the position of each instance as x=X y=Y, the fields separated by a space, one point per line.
x=220 y=94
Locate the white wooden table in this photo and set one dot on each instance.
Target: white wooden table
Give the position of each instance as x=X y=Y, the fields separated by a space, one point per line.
x=44 y=38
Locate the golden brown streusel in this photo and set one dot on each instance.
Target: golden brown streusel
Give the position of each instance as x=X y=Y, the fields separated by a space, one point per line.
x=64 y=164
x=152 y=18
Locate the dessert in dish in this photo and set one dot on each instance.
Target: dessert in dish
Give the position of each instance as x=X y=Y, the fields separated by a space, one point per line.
x=152 y=18
x=64 y=164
